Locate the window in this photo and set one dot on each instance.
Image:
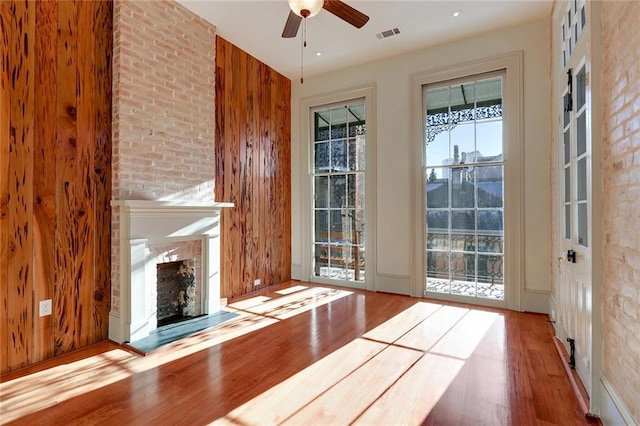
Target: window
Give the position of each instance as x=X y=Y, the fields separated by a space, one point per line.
x=464 y=186
x=338 y=179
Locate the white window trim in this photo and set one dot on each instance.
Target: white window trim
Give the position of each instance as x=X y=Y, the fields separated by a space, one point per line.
x=514 y=183
x=368 y=93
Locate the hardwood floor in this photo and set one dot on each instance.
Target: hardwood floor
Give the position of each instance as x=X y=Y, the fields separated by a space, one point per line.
x=306 y=354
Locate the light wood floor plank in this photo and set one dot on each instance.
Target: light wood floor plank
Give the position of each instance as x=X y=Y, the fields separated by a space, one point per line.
x=306 y=354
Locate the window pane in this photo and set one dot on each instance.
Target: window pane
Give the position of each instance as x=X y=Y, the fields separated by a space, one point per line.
x=356 y=154
x=437 y=189
x=438 y=265
x=355 y=196
x=338 y=156
x=490 y=184
x=337 y=191
x=438 y=149
x=337 y=226
x=359 y=234
x=438 y=229
x=321 y=122
x=321 y=226
x=321 y=260
x=339 y=123
x=489 y=138
x=462 y=142
x=463 y=267
x=490 y=271
x=321 y=187
x=321 y=157
x=490 y=220
x=462 y=188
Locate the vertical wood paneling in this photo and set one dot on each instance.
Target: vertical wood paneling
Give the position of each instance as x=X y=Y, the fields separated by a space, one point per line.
x=85 y=143
x=20 y=201
x=253 y=161
x=103 y=29
x=5 y=117
x=44 y=181
x=55 y=154
x=66 y=249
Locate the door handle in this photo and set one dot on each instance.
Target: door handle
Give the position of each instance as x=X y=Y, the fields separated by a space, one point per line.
x=571 y=256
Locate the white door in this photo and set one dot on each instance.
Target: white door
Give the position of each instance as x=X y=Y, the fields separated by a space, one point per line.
x=575 y=304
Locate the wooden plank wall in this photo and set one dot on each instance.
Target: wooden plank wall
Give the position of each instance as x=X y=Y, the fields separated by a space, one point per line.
x=253 y=170
x=55 y=179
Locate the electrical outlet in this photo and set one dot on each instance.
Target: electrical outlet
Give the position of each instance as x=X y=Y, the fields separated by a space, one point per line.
x=257 y=282
x=45 y=307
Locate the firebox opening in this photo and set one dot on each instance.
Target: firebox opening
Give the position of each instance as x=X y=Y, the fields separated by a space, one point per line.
x=177 y=292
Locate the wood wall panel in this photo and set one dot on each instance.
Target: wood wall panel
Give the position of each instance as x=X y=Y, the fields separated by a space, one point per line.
x=55 y=182
x=253 y=170
x=20 y=194
x=5 y=119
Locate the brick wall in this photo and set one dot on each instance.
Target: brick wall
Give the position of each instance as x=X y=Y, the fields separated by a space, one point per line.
x=163 y=108
x=621 y=170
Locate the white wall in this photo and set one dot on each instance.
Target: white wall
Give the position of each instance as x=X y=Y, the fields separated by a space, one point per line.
x=392 y=78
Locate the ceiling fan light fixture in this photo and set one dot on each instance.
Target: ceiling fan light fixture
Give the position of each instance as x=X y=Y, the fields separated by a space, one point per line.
x=312 y=6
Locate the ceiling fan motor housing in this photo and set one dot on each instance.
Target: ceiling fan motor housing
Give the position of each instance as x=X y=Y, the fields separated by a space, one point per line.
x=306 y=8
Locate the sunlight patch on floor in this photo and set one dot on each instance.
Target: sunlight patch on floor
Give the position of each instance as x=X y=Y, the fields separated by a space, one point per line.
x=37 y=391
x=395 y=374
x=49 y=387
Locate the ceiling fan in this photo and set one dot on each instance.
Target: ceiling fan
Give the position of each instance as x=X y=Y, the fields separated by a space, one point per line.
x=308 y=8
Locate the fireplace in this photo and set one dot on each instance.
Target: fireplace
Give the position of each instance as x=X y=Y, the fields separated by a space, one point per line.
x=156 y=236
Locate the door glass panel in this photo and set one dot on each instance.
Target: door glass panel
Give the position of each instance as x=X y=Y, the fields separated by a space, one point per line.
x=581 y=88
x=581 y=134
x=583 y=229
x=582 y=179
x=464 y=174
x=567 y=222
x=567 y=184
x=339 y=192
x=567 y=146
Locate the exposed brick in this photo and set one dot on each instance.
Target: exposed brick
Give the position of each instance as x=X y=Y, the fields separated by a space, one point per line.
x=163 y=108
x=621 y=171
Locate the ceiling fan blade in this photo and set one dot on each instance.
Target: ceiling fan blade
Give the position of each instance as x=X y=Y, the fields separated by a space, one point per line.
x=291 y=26
x=346 y=12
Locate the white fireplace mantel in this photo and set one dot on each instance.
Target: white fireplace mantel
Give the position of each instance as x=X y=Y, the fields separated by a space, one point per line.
x=142 y=223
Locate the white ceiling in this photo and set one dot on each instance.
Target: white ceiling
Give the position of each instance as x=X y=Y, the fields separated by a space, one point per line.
x=256 y=27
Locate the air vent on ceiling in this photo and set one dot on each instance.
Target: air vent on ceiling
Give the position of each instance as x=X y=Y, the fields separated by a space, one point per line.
x=388 y=33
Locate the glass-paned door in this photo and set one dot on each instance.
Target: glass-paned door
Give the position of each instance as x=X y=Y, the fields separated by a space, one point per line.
x=338 y=178
x=464 y=184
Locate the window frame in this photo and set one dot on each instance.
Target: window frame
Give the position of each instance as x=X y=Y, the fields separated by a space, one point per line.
x=368 y=94
x=512 y=65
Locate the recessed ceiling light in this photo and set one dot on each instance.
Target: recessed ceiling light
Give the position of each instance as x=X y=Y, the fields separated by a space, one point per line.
x=456 y=13
x=318 y=53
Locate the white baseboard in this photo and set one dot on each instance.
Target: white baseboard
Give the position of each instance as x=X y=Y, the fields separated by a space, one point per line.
x=115 y=329
x=391 y=283
x=296 y=272
x=536 y=301
x=613 y=410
